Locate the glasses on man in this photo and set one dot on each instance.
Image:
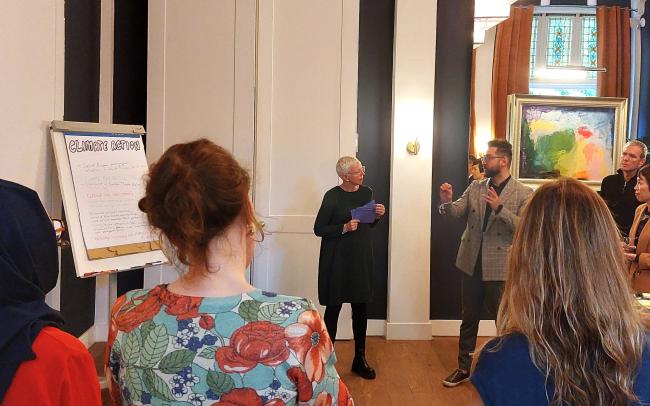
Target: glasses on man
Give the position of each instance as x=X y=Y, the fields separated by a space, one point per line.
x=486 y=158
x=363 y=170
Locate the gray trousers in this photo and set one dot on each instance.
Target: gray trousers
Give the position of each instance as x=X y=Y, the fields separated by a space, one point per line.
x=475 y=293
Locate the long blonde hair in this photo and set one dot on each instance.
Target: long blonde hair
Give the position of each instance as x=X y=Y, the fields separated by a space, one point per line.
x=568 y=293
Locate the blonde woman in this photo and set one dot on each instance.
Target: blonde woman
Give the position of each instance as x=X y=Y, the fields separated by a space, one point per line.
x=569 y=332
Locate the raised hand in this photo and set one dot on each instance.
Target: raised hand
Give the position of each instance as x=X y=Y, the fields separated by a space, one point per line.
x=446 y=193
x=492 y=198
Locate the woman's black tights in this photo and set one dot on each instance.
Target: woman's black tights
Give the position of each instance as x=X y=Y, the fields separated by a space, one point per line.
x=359 y=324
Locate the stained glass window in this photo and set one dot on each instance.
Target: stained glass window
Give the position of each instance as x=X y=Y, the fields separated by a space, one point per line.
x=559 y=41
x=553 y=37
x=533 y=44
x=589 y=42
x=565 y=91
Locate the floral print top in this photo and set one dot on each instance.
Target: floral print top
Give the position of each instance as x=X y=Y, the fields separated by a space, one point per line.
x=257 y=348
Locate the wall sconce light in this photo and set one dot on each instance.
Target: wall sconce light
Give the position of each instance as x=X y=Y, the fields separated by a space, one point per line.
x=413 y=147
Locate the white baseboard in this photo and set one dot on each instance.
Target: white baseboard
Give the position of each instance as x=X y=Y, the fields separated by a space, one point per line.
x=376 y=328
x=451 y=328
x=420 y=331
x=88 y=337
x=408 y=331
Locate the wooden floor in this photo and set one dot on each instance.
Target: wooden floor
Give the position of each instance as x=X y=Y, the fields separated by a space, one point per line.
x=408 y=372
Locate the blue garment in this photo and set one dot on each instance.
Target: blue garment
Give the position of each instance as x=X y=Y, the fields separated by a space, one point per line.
x=509 y=377
x=29 y=268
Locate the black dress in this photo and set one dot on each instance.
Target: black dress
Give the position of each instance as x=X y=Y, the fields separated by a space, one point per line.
x=345 y=266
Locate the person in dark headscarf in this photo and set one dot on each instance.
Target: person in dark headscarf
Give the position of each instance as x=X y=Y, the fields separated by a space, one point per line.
x=39 y=363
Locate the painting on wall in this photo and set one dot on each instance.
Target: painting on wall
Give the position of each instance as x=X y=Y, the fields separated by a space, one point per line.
x=577 y=137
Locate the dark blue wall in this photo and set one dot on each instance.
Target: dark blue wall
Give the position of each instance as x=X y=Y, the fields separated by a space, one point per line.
x=81 y=103
x=454 y=41
x=374 y=112
x=644 y=94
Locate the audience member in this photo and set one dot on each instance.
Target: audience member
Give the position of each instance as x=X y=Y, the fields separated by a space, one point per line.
x=618 y=190
x=569 y=328
x=637 y=252
x=475 y=171
x=210 y=336
x=39 y=363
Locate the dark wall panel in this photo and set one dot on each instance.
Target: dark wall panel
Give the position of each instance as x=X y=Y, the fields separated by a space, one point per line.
x=450 y=147
x=374 y=106
x=644 y=82
x=130 y=87
x=81 y=94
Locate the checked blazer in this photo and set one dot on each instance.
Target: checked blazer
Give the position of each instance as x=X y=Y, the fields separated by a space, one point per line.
x=497 y=237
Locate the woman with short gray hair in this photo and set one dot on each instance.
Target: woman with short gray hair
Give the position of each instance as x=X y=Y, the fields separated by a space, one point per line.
x=345 y=266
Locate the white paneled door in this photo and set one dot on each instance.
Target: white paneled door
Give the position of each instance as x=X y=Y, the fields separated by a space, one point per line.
x=307 y=53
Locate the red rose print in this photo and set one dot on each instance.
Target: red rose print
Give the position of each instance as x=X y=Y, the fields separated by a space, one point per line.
x=258 y=342
x=240 y=397
x=309 y=339
x=183 y=307
x=344 y=395
x=130 y=316
x=275 y=402
x=303 y=384
x=324 y=399
x=245 y=397
x=206 y=322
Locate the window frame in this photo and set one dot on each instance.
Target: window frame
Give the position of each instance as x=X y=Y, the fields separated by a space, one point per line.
x=541 y=46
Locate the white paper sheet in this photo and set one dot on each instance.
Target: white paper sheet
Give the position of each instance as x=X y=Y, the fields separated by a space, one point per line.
x=108 y=174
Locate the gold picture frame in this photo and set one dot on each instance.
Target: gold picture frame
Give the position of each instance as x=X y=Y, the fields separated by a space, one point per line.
x=553 y=136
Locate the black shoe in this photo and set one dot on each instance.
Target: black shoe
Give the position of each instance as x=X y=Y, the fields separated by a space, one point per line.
x=361 y=368
x=456 y=378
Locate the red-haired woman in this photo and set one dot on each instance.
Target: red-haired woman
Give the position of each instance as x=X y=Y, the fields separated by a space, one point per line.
x=210 y=337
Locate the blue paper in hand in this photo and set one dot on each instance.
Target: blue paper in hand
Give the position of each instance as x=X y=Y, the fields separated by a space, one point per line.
x=366 y=213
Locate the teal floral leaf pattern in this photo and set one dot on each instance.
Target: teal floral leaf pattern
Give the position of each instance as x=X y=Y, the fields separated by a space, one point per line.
x=271 y=313
x=133 y=383
x=255 y=348
x=156 y=386
x=219 y=382
x=208 y=352
x=248 y=310
x=116 y=351
x=154 y=346
x=131 y=348
x=145 y=328
x=176 y=360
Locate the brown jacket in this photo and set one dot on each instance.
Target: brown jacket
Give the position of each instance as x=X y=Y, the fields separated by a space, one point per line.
x=639 y=272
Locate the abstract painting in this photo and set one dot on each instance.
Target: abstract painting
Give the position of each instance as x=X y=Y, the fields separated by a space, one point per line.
x=577 y=137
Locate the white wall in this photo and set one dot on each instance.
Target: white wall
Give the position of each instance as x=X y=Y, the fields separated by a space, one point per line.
x=410 y=217
x=306 y=120
x=201 y=81
x=31 y=95
x=297 y=122
x=483 y=91
x=31 y=48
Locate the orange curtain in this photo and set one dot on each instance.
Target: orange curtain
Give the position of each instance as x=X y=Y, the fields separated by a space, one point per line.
x=614 y=51
x=511 y=65
x=472 y=110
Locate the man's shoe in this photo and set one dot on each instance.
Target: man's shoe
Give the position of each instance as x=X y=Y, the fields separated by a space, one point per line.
x=361 y=368
x=456 y=378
